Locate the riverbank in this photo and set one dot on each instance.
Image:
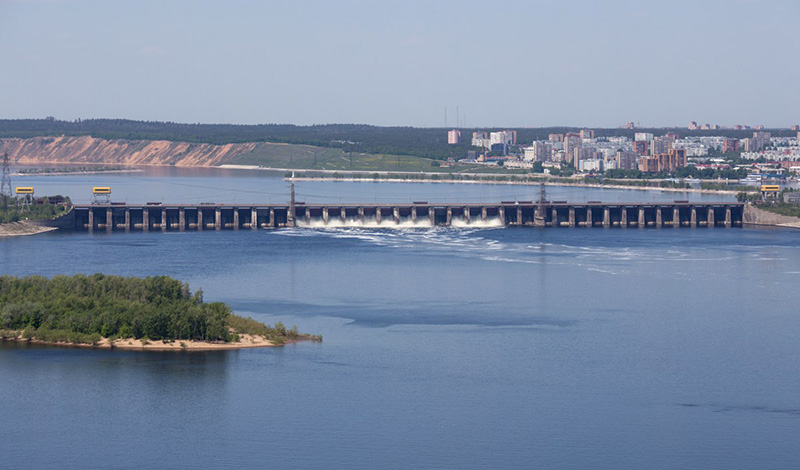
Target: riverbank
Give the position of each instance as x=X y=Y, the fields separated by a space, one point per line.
x=22 y=228
x=755 y=216
x=70 y=173
x=523 y=183
x=245 y=342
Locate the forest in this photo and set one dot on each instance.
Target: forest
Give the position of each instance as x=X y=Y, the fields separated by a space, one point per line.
x=360 y=138
x=84 y=309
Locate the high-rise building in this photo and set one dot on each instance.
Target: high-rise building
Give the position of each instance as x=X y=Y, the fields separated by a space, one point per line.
x=481 y=139
x=693 y=126
x=730 y=145
x=454 y=137
x=677 y=159
x=587 y=134
x=761 y=139
x=668 y=162
x=582 y=153
x=626 y=160
x=571 y=142
x=662 y=144
x=503 y=137
x=641 y=147
x=542 y=151
x=556 y=137
x=645 y=136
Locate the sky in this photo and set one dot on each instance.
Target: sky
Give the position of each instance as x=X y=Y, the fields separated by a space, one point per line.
x=403 y=63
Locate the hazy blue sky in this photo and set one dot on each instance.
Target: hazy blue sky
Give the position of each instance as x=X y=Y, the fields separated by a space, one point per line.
x=504 y=63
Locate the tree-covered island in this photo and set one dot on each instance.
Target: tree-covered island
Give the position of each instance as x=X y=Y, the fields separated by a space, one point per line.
x=115 y=311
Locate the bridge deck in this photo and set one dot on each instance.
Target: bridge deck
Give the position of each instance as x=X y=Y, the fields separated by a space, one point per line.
x=207 y=216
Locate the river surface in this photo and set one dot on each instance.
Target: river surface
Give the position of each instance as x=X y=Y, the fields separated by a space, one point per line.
x=443 y=348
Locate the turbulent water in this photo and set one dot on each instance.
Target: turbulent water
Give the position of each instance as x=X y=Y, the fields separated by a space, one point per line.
x=443 y=348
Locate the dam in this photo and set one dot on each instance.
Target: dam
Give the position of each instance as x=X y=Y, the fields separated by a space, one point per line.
x=112 y=217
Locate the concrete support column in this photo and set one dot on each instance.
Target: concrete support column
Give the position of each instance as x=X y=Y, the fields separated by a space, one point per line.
x=109 y=219
x=414 y=214
x=519 y=215
x=146 y=219
x=693 y=221
x=218 y=219
x=589 y=214
x=502 y=213
x=554 y=223
x=200 y=219
x=308 y=215
x=623 y=221
x=271 y=222
x=572 y=222
x=484 y=214
x=728 y=217
x=676 y=217
x=236 y=218
x=378 y=215
x=91 y=219
x=254 y=218
x=325 y=215
x=641 y=221
x=449 y=220
x=127 y=219
x=182 y=219
x=396 y=214
x=606 y=217
x=432 y=216
x=163 y=220
x=361 y=215
x=711 y=221
x=343 y=214
x=466 y=215
x=658 y=217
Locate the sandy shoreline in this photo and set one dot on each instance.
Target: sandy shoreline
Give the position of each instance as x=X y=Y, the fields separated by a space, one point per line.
x=69 y=173
x=245 y=342
x=22 y=228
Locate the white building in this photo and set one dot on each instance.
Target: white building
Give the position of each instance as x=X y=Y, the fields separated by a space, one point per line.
x=453 y=137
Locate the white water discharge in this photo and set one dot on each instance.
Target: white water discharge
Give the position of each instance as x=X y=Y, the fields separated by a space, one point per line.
x=389 y=223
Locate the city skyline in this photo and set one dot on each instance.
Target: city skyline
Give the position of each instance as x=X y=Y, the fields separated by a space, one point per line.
x=514 y=64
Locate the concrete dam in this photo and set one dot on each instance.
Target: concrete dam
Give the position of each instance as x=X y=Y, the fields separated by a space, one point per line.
x=112 y=217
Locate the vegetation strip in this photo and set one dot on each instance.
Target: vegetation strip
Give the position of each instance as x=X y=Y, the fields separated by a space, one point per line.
x=101 y=310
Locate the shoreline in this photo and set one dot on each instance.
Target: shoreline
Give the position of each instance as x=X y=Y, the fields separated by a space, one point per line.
x=521 y=183
x=130 y=344
x=22 y=228
x=69 y=173
x=482 y=178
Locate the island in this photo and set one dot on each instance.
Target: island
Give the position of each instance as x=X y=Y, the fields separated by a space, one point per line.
x=152 y=313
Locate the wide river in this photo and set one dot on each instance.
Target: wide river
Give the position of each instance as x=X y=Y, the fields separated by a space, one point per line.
x=443 y=348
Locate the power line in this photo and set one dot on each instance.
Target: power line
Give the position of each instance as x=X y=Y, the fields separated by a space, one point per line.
x=5 y=183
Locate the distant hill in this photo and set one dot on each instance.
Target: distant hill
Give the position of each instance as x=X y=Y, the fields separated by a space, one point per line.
x=357 y=138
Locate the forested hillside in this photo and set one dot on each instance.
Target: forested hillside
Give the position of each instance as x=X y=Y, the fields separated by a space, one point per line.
x=414 y=141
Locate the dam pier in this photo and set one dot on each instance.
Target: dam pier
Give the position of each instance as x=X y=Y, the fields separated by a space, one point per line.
x=112 y=217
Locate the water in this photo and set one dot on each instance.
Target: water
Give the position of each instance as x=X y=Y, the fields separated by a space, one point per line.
x=443 y=348
x=196 y=185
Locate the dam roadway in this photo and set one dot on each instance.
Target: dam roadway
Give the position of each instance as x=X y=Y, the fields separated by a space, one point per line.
x=206 y=216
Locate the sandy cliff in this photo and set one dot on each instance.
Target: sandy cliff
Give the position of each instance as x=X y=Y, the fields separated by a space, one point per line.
x=85 y=149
